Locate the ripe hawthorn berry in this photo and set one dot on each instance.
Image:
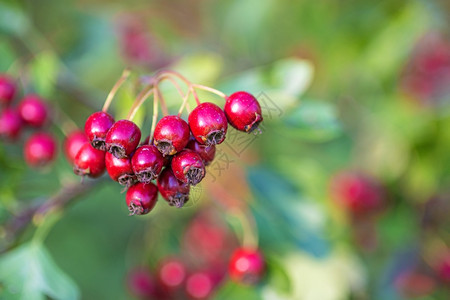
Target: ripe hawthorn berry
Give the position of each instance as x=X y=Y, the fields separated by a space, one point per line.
x=175 y=192
x=122 y=138
x=188 y=167
x=147 y=162
x=33 y=110
x=246 y=266
x=141 y=198
x=208 y=124
x=171 y=135
x=207 y=153
x=120 y=170
x=199 y=285
x=96 y=128
x=40 y=149
x=243 y=111
x=7 y=89
x=172 y=273
x=72 y=144
x=89 y=161
x=10 y=124
x=357 y=193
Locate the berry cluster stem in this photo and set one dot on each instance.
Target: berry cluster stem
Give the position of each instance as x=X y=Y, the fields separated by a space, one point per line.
x=209 y=89
x=115 y=88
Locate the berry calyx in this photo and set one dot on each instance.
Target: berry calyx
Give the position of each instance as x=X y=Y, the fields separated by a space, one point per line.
x=171 y=135
x=72 y=144
x=199 y=285
x=246 y=266
x=208 y=124
x=147 y=162
x=207 y=153
x=188 y=167
x=175 y=192
x=120 y=170
x=243 y=111
x=89 y=161
x=10 y=124
x=141 y=198
x=33 y=110
x=122 y=138
x=96 y=128
x=172 y=273
x=7 y=89
x=40 y=149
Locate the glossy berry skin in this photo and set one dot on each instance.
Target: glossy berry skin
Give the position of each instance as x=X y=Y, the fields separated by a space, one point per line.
x=173 y=191
x=246 y=266
x=40 y=149
x=147 y=163
x=171 y=135
x=172 y=273
x=199 y=285
x=73 y=143
x=208 y=124
x=188 y=167
x=207 y=153
x=96 y=128
x=123 y=138
x=243 y=111
x=141 y=198
x=120 y=170
x=358 y=194
x=10 y=124
x=89 y=161
x=7 y=89
x=33 y=110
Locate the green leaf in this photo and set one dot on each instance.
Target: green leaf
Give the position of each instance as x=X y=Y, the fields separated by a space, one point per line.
x=44 y=70
x=29 y=273
x=313 y=120
x=202 y=68
x=231 y=290
x=301 y=221
x=13 y=20
x=7 y=56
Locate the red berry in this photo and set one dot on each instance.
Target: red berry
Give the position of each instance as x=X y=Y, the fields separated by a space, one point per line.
x=243 y=111
x=40 y=149
x=141 y=198
x=7 y=89
x=246 y=266
x=120 y=170
x=357 y=193
x=199 y=285
x=89 y=161
x=188 y=167
x=33 y=110
x=72 y=144
x=172 y=273
x=443 y=269
x=123 y=138
x=141 y=283
x=208 y=124
x=207 y=153
x=10 y=123
x=171 y=135
x=173 y=191
x=147 y=163
x=96 y=128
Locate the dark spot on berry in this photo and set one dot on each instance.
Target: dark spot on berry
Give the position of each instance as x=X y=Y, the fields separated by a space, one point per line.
x=252 y=126
x=146 y=176
x=165 y=147
x=195 y=175
x=99 y=143
x=127 y=180
x=179 y=199
x=118 y=151
x=214 y=137
x=135 y=209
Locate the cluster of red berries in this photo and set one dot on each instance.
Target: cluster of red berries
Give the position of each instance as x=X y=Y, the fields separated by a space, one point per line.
x=175 y=156
x=40 y=147
x=209 y=252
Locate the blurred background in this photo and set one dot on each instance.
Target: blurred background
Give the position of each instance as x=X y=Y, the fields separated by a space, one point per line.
x=346 y=189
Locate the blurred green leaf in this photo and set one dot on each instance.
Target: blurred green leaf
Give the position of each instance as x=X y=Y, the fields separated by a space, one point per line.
x=281 y=201
x=44 y=70
x=12 y=20
x=202 y=68
x=231 y=290
x=7 y=56
x=313 y=120
x=278 y=278
x=30 y=273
